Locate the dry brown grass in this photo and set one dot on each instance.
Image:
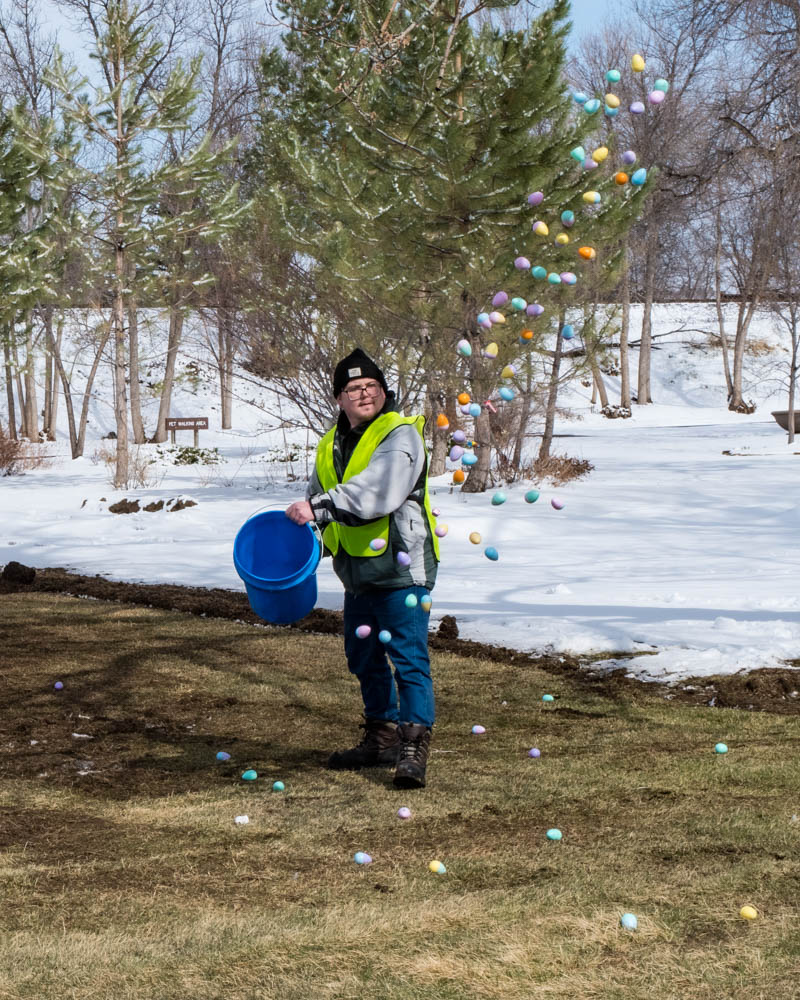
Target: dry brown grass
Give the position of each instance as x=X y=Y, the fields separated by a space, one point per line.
x=560 y=469
x=128 y=879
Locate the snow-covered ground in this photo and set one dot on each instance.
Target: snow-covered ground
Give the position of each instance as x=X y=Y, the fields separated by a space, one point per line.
x=671 y=548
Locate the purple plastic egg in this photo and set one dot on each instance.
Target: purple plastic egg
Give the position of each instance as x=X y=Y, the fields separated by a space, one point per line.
x=589 y=163
x=556 y=503
x=534 y=752
x=500 y=299
x=403 y=559
x=568 y=277
x=58 y=686
x=435 y=510
x=459 y=437
x=362 y=631
x=456 y=452
x=629 y=156
x=465 y=409
x=522 y=264
x=656 y=96
x=536 y=198
x=636 y=108
x=534 y=309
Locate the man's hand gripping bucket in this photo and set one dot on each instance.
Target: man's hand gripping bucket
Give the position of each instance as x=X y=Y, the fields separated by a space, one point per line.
x=277 y=559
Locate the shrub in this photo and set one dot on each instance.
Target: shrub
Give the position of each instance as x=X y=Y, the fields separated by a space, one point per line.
x=560 y=469
x=11 y=454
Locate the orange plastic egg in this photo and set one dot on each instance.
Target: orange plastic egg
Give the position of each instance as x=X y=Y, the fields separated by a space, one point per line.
x=588 y=253
x=527 y=335
x=621 y=177
x=459 y=476
x=442 y=421
x=463 y=398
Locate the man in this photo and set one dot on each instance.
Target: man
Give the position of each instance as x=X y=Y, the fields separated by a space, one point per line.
x=369 y=494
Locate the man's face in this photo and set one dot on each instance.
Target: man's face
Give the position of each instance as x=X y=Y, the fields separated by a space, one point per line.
x=361 y=399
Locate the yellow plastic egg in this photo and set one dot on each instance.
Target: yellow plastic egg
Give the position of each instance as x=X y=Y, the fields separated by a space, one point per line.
x=748 y=913
x=541 y=229
x=507 y=372
x=612 y=100
x=637 y=63
x=591 y=197
x=475 y=537
x=491 y=350
x=562 y=239
x=601 y=152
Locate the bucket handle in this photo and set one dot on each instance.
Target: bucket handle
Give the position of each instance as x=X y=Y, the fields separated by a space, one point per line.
x=313 y=524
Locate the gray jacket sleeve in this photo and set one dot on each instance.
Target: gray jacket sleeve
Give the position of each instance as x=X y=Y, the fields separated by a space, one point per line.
x=382 y=488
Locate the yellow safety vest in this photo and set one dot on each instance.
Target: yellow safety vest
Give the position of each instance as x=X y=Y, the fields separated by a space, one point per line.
x=356 y=540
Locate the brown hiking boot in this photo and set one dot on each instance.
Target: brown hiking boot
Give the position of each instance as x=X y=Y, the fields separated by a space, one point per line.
x=416 y=742
x=380 y=747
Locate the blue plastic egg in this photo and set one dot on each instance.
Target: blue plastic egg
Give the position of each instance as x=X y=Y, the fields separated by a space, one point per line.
x=469 y=459
x=553 y=278
x=661 y=84
x=613 y=76
x=720 y=748
x=362 y=858
x=499 y=498
x=629 y=921
x=567 y=218
x=531 y=496
x=579 y=97
x=567 y=332
x=425 y=603
x=223 y=755
x=578 y=153
x=384 y=636
x=249 y=775
x=611 y=112
x=464 y=348
x=547 y=697
x=483 y=319
x=590 y=107
x=491 y=553
x=411 y=600
x=554 y=834
x=474 y=409
x=506 y=393
x=518 y=303
x=278 y=786
x=638 y=177
x=538 y=271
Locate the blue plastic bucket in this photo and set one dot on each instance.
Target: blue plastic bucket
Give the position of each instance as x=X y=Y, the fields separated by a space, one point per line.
x=277 y=560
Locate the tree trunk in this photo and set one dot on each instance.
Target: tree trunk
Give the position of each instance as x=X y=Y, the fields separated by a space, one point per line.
x=226 y=352
x=723 y=336
x=12 y=409
x=524 y=417
x=23 y=409
x=793 y=372
x=133 y=366
x=552 y=394
x=50 y=380
x=600 y=385
x=31 y=409
x=437 y=460
x=624 y=356
x=643 y=389
x=173 y=343
x=120 y=389
x=478 y=478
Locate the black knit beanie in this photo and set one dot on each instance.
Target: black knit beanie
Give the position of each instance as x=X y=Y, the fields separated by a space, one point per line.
x=356 y=365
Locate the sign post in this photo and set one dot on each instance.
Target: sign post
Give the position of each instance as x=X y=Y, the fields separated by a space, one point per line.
x=195 y=424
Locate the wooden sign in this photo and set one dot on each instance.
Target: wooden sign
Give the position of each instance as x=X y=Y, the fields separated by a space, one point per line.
x=195 y=424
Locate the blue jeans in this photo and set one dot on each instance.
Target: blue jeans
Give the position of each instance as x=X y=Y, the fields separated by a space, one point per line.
x=412 y=698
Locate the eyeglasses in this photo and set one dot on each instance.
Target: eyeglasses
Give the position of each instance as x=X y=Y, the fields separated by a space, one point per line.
x=371 y=389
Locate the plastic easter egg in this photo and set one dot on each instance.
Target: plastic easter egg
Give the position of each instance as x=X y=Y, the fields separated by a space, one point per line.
x=497 y=317
x=441 y=530
x=553 y=278
x=525 y=336
x=579 y=97
x=567 y=332
x=491 y=350
x=58 y=686
x=567 y=218
x=636 y=108
x=384 y=636
x=547 y=698
x=404 y=813
x=403 y=559
x=411 y=601
x=241 y=820
x=534 y=309
x=377 y=544
x=557 y=504
x=459 y=436
x=437 y=868
x=459 y=476
x=621 y=177
x=540 y=228
x=508 y=372
x=629 y=921
x=491 y=553
x=522 y=264
x=442 y=421
x=506 y=393
x=536 y=198
x=539 y=272
x=478 y=730
x=589 y=163
x=249 y=775
x=435 y=511
x=611 y=112
x=588 y=253
x=465 y=409
x=748 y=913
x=578 y=154
x=425 y=603
x=278 y=786
x=455 y=453
x=637 y=63
x=469 y=459
x=562 y=239
x=463 y=398
x=600 y=154
x=613 y=76
x=464 y=348
x=499 y=498
x=612 y=101
x=483 y=320
x=518 y=304
x=639 y=177
x=499 y=300
x=554 y=834
x=363 y=631
x=720 y=748
x=568 y=278
x=590 y=107
x=628 y=157
x=534 y=752
x=591 y=197
x=661 y=84
x=656 y=96
x=223 y=755
x=361 y=858
x=475 y=537
x=532 y=496
x=474 y=409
